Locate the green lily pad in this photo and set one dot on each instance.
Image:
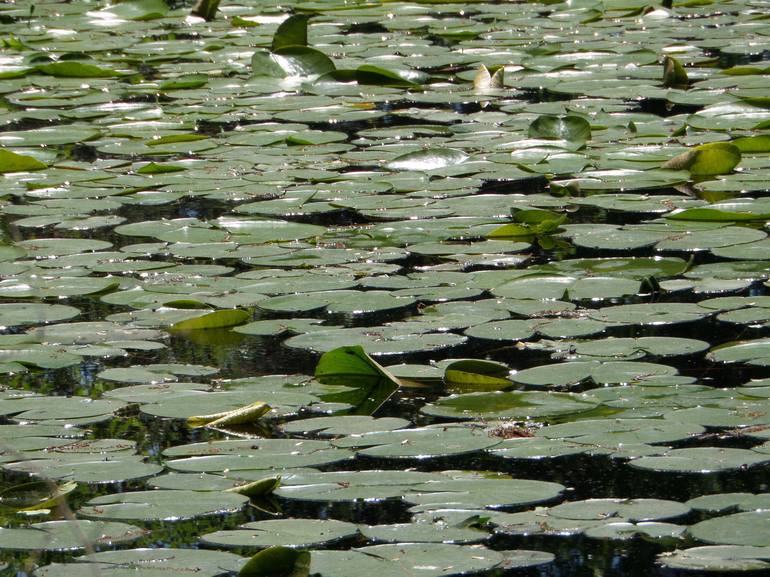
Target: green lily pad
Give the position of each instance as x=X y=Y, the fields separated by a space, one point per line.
x=514 y=405
x=633 y=510
x=717 y=559
x=701 y=460
x=571 y=128
x=738 y=529
x=163 y=561
x=404 y=559
x=421 y=443
x=296 y=533
x=19 y=314
x=337 y=426
x=70 y=535
x=423 y=533
x=429 y=159
x=166 y=505
x=12 y=162
x=707 y=159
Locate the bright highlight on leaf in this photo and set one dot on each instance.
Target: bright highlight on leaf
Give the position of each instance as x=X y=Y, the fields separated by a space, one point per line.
x=574 y=129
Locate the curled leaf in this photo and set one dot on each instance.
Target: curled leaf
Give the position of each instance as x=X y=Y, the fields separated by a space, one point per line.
x=56 y=497
x=258 y=488
x=241 y=416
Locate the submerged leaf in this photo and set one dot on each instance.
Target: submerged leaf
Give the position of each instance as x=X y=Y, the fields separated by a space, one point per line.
x=213 y=320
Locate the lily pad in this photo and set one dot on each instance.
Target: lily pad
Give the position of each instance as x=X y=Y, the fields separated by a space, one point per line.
x=167 y=506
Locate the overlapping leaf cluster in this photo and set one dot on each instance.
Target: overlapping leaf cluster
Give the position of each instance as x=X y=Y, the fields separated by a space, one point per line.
x=547 y=222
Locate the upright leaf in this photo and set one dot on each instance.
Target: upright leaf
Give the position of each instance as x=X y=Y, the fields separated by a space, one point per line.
x=277 y=561
x=486 y=80
x=350 y=366
x=674 y=75
x=291 y=32
x=206 y=9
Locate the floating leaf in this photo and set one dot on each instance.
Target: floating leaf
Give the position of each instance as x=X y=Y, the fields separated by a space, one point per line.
x=428 y=159
x=378 y=76
x=707 y=159
x=753 y=144
x=68 y=535
x=136 y=10
x=574 y=129
x=718 y=559
x=294 y=533
x=12 y=162
x=291 y=61
x=72 y=69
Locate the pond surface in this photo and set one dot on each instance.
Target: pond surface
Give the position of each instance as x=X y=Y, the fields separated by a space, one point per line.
x=546 y=221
